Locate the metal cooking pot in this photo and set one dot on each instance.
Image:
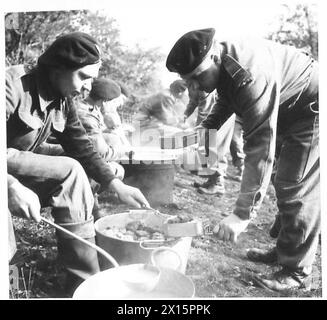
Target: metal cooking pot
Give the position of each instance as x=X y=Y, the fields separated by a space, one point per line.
x=131 y=252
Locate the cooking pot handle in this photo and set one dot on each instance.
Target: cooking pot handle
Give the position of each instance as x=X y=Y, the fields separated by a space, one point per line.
x=88 y=243
x=152 y=244
x=155 y=251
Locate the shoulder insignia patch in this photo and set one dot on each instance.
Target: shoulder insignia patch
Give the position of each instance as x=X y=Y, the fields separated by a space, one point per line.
x=240 y=75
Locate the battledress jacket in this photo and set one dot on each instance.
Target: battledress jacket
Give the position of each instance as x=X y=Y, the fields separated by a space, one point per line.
x=31 y=120
x=269 y=86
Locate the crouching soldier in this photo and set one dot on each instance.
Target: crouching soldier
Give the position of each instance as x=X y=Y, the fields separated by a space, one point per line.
x=38 y=103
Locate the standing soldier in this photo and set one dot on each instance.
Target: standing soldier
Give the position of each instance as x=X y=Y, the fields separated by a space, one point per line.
x=274 y=89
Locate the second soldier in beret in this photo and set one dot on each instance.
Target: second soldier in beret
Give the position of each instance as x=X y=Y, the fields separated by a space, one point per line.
x=93 y=114
x=273 y=88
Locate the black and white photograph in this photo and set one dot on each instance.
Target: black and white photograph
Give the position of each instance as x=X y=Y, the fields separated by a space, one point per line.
x=162 y=150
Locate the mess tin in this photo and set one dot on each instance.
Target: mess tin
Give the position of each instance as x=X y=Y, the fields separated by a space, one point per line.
x=192 y=228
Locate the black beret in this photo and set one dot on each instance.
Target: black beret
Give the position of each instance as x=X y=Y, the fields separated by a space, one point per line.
x=189 y=51
x=104 y=89
x=73 y=50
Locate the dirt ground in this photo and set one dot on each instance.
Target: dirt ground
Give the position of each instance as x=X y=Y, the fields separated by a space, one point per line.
x=217 y=269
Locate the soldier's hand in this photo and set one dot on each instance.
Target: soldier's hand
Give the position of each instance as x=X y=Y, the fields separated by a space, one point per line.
x=128 y=194
x=230 y=228
x=23 y=202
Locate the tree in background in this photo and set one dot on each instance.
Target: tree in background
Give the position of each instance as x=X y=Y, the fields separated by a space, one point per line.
x=28 y=34
x=298 y=26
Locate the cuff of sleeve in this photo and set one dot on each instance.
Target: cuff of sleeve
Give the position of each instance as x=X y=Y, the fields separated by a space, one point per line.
x=187 y=113
x=244 y=214
x=112 y=154
x=105 y=185
x=247 y=205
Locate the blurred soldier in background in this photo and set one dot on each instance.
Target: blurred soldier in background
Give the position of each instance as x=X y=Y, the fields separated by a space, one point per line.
x=164 y=109
x=99 y=117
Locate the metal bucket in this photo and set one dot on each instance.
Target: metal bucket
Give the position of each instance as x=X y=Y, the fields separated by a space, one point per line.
x=131 y=252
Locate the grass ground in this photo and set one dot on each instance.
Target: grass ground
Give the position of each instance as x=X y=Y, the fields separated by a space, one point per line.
x=218 y=269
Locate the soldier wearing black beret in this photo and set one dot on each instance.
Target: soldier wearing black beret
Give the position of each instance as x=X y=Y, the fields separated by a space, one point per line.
x=38 y=103
x=274 y=89
x=95 y=118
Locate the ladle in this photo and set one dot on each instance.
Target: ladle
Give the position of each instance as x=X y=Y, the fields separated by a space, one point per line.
x=88 y=243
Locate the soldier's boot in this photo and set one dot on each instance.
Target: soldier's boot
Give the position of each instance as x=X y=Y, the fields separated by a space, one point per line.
x=285 y=279
x=216 y=186
x=79 y=259
x=205 y=184
x=264 y=256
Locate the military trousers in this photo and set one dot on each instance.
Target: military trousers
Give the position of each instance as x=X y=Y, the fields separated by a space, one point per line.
x=217 y=144
x=297 y=185
x=61 y=183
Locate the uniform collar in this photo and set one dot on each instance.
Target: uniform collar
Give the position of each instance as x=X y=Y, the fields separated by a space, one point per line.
x=43 y=90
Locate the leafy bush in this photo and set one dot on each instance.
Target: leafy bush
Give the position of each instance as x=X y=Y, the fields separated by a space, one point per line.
x=28 y=34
